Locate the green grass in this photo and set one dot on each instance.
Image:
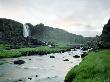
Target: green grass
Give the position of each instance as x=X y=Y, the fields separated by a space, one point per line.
x=31 y=51
x=94 y=68
x=9 y=53
x=4 y=46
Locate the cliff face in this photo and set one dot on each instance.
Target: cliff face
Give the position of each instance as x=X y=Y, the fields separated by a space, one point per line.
x=11 y=31
x=105 y=36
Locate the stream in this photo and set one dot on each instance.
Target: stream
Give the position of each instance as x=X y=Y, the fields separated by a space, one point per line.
x=39 y=68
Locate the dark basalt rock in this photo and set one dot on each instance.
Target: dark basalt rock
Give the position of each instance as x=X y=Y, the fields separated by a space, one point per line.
x=76 y=56
x=19 y=62
x=52 y=56
x=20 y=80
x=66 y=60
x=30 y=78
x=36 y=75
x=29 y=59
x=83 y=55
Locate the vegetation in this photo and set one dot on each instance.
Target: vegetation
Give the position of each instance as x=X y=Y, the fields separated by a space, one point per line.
x=46 y=33
x=94 y=68
x=105 y=36
x=42 y=50
x=11 y=31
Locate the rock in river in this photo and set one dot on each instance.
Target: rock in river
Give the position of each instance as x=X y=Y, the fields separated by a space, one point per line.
x=66 y=60
x=19 y=62
x=52 y=56
x=76 y=56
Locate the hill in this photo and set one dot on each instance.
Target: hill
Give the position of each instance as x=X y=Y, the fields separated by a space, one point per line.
x=56 y=35
x=12 y=32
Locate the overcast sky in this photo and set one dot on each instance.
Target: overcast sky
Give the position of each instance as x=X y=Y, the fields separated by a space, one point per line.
x=85 y=17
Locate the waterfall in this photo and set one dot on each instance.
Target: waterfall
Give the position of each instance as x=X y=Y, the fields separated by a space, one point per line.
x=25 y=30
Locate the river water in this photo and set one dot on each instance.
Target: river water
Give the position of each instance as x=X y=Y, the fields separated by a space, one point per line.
x=39 y=68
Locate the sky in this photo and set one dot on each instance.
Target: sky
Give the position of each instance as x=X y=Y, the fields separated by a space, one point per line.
x=82 y=17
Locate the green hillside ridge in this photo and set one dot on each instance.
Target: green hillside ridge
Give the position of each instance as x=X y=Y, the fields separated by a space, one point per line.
x=12 y=32
x=56 y=35
x=94 y=68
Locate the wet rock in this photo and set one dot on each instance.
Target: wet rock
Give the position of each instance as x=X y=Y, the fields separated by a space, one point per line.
x=83 y=55
x=76 y=56
x=20 y=80
x=36 y=75
x=66 y=60
x=29 y=59
x=52 y=56
x=30 y=78
x=19 y=62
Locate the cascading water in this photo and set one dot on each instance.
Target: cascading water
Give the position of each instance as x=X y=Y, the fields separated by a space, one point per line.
x=25 y=30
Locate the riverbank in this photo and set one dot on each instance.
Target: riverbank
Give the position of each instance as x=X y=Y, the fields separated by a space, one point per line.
x=94 y=68
x=42 y=50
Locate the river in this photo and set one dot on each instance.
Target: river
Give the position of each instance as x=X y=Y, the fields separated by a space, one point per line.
x=39 y=68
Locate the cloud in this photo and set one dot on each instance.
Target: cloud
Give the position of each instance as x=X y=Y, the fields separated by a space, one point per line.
x=82 y=15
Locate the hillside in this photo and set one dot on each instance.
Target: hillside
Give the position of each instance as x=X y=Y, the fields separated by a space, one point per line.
x=94 y=68
x=12 y=32
x=56 y=35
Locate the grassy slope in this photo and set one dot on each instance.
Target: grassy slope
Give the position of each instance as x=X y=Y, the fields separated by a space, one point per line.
x=30 y=51
x=94 y=68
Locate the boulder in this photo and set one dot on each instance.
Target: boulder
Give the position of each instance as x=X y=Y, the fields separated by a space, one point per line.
x=66 y=60
x=19 y=62
x=36 y=75
x=52 y=56
x=83 y=55
x=29 y=59
x=76 y=56
x=30 y=78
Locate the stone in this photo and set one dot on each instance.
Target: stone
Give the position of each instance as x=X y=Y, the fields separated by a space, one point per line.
x=36 y=75
x=29 y=59
x=76 y=56
x=20 y=80
x=19 y=62
x=30 y=78
x=52 y=56
x=66 y=60
x=83 y=55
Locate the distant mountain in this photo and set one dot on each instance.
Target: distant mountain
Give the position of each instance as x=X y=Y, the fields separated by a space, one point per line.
x=57 y=35
x=12 y=32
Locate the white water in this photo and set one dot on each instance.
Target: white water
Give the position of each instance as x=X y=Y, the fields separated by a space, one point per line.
x=25 y=30
x=48 y=69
